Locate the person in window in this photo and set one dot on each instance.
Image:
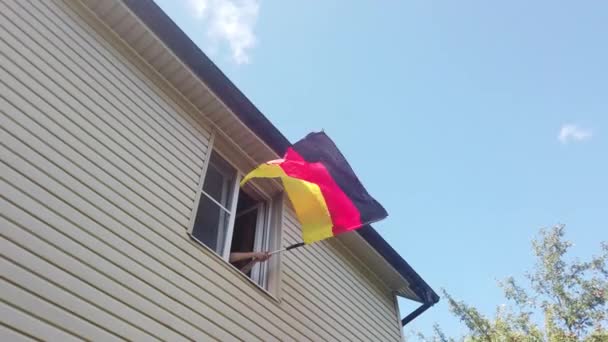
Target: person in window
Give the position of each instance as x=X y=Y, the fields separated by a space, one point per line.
x=238 y=259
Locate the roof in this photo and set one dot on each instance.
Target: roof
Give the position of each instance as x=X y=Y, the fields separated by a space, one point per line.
x=193 y=57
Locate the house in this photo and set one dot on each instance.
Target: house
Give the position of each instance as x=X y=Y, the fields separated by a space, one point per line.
x=122 y=146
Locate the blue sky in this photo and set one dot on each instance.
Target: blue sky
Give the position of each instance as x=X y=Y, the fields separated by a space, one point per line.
x=475 y=123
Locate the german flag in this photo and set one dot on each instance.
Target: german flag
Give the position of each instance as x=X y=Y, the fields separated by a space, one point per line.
x=326 y=194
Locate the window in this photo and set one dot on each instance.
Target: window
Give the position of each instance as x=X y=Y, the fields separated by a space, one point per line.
x=229 y=219
x=215 y=207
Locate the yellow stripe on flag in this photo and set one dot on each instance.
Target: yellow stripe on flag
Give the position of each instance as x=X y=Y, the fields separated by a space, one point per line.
x=307 y=200
x=311 y=209
x=265 y=171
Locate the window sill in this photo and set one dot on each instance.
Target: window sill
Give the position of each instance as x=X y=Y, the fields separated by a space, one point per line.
x=232 y=268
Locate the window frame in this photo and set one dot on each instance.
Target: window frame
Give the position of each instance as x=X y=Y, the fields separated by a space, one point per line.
x=259 y=272
x=265 y=276
x=227 y=235
x=230 y=229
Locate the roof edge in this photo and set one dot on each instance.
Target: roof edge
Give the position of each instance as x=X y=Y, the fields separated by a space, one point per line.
x=419 y=286
x=202 y=66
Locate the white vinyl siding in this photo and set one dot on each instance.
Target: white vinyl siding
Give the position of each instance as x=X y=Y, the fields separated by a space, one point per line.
x=338 y=295
x=99 y=170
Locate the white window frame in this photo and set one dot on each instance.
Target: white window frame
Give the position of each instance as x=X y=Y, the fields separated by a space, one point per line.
x=261 y=272
x=225 y=235
x=230 y=228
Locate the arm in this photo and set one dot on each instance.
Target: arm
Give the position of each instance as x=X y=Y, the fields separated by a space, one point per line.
x=238 y=256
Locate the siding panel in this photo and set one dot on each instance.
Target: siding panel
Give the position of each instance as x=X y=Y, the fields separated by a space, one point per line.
x=83 y=281
x=56 y=79
x=9 y=334
x=48 y=300
x=80 y=203
x=127 y=74
x=320 y=259
x=28 y=323
x=312 y=274
x=159 y=116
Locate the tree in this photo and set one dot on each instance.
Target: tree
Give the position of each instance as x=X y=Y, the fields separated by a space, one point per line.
x=564 y=299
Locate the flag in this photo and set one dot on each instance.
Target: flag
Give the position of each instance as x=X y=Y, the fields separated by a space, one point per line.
x=326 y=194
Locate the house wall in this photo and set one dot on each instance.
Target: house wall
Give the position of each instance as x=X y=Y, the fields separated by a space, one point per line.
x=98 y=176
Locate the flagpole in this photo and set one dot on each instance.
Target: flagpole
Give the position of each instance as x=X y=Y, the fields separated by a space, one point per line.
x=248 y=267
x=295 y=245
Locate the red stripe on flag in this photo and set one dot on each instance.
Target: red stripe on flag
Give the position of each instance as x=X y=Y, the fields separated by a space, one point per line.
x=344 y=214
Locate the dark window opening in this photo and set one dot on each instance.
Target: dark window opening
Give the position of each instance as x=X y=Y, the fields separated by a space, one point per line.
x=245 y=227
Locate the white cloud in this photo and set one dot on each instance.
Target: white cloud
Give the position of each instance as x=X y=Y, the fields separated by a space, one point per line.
x=574 y=133
x=229 y=22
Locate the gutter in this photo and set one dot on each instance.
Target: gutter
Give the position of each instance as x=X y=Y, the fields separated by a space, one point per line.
x=412 y=316
x=428 y=297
